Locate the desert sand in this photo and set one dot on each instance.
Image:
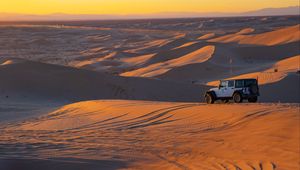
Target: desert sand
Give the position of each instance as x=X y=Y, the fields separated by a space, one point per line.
x=129 y=94
x=157 y=135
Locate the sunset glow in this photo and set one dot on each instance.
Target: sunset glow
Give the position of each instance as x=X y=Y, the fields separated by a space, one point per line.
x=137 y=6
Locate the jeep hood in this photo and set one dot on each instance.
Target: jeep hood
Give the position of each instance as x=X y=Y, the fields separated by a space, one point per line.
x=214 y=89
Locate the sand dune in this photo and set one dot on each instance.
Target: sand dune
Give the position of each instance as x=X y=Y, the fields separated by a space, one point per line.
x=155 y=43
x=206 y=36
x=230 y=61
x=94 y=60
x=137 y=60
x=186 y=45
x=158 y=135
x=246 y=31
x=277 y=37
x=34 y=81
x=7 y=62
x=197 y=56
x=274 y=74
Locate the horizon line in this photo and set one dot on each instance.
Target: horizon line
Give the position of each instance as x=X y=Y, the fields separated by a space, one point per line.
x=22 y=17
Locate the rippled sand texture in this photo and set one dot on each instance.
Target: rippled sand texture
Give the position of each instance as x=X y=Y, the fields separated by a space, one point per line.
x=158 y=135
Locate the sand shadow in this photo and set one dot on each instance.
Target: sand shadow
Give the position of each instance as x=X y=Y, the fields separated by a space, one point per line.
x=60 y=164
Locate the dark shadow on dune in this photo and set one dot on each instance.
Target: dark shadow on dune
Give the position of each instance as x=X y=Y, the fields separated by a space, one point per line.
x=40 y=81
x=60 y=164
x=284 y=91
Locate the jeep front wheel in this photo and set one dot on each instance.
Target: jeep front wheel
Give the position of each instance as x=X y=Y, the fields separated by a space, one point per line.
x=237 y=98
x=209 y=99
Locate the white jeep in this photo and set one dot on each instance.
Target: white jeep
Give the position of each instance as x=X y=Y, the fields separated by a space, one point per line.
x=236 y=90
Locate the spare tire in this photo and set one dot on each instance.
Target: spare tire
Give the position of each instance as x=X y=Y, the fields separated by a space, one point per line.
x=253 y=89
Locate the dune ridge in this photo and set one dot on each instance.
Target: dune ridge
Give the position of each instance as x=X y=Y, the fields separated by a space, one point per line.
x=246 y=31
x=206 y=36
x=198 y=56
x=185 y=45
x=7 y=62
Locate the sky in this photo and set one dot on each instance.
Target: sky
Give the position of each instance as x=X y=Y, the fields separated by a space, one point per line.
x=126 y=7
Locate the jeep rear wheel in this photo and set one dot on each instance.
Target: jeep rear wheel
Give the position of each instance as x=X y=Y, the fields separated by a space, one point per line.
x=209 y=99
x=237 y=98
x=252 y=99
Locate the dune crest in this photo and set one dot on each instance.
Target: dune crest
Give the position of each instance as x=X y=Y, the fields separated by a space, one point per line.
x=137 y=60
x=151 y=44
x=246 y=31
x=9 y=62
x=93 y=61
x=198 y=56
x=185 y=45
x=206 y=36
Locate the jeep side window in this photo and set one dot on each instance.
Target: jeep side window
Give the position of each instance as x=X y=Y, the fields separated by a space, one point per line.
x=223 y=84
x=231 y=83
x=239 y=83
x=249 y=82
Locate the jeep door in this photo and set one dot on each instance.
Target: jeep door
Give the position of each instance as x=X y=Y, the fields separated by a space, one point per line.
x=229 y=90
x=226 y=89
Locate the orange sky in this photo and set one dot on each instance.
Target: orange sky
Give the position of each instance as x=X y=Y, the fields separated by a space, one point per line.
x=136 y=6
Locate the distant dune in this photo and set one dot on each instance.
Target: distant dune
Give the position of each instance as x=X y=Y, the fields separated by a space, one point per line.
x=197 y=56
x=277 y=37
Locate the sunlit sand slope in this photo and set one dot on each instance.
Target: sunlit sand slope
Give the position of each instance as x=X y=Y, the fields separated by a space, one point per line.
x=158 y=135
x=198 y=56
x=277 y=37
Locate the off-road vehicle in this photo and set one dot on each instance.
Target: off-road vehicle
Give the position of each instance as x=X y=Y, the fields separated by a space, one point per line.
x=236 y=90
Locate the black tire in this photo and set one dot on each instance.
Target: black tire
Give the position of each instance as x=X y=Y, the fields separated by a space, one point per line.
x=253 y=89
x=252 y=99
x=209 y=99
x=237 y=98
